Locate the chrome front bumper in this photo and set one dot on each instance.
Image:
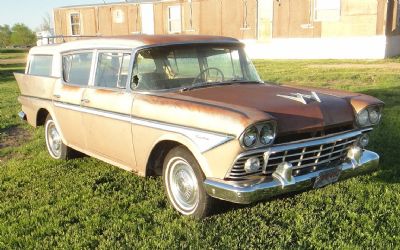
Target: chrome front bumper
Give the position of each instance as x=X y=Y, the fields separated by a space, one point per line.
x=245 y=192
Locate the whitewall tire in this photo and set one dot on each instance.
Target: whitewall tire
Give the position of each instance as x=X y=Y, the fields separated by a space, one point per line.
x=183 y=182
x=55 y=146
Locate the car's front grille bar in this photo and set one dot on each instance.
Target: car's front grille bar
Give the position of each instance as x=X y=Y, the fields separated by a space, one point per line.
x=302 y=155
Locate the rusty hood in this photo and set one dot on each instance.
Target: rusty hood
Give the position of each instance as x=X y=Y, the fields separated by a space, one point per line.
x=291 y=115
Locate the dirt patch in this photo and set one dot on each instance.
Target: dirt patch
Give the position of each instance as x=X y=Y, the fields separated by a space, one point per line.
x=12 y=137
x=12 y=61
x=356 y=66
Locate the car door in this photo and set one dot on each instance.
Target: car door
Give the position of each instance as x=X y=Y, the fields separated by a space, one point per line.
x=107 y=120
x=67 y=96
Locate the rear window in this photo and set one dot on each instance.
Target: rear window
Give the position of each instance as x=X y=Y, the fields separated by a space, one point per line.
x=40 y=65
x=76 y=68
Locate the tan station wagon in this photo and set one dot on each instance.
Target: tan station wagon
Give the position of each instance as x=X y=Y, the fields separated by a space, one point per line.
x=194 y=110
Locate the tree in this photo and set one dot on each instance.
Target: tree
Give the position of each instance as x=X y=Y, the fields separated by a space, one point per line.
x=22 y=36
x=5 y=35
x=46 y=23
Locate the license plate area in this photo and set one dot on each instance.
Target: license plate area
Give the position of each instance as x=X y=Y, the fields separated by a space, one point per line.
x=327 y=177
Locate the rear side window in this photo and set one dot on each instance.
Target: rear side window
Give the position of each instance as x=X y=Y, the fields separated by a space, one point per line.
x=112 y=69
x=76 y=68
x=40 y=65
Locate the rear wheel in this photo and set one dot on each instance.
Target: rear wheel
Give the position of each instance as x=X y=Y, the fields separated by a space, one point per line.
x=183 y=182
x=55 y=146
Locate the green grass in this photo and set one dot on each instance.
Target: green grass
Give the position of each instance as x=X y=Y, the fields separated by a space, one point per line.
x=85 y=203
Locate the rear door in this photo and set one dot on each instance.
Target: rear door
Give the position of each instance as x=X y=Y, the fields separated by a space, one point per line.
x=107 y=104
x=76 y=70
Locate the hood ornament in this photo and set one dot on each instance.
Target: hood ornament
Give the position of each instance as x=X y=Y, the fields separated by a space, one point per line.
x=302 y=97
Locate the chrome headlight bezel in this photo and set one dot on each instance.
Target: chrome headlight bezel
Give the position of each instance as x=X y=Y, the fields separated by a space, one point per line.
x=369 y=116
x=258 y=127
x=271 y=133
x=252 y=134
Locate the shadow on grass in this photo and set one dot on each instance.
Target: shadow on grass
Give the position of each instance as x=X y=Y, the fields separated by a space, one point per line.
x=386 y=137
x=7 y=71
x=9 y=51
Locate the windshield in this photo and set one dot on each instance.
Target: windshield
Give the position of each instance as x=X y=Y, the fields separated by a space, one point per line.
x=186 y=67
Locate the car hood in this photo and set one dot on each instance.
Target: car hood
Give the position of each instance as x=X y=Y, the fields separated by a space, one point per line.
x=290 y=114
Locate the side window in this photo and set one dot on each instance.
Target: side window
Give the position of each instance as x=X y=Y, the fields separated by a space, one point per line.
x=76 y=68
x=145 y=63
x=40 y=65
x=112 y=69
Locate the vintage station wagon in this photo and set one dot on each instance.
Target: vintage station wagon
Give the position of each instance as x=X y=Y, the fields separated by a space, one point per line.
x=194 y=110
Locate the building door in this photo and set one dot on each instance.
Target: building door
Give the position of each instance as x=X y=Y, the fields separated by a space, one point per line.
x=265 y=16
x=147 y=14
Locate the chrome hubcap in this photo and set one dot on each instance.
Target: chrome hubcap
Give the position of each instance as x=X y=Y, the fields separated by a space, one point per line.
x=53 y=139
x=183 y=184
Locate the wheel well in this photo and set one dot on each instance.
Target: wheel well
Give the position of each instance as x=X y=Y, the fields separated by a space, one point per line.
x=41 y=117
x=156 y=159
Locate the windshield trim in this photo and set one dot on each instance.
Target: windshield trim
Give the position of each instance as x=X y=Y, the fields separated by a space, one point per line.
x=137 y=50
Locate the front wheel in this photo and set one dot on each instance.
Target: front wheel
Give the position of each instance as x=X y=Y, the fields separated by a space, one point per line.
x=55 y=146
x=183 y=181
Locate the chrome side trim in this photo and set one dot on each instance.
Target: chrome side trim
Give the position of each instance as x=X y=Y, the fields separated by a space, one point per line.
x=111 y=115
x=204 y=140
x=245 y=192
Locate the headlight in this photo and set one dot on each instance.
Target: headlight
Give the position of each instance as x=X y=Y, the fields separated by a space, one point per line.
x=252 y=165
x=374 y=115
x=369 y=116
x=363 y=140
x=267 y=134
x=250 y=137
x=362 y=118
x=258 y=135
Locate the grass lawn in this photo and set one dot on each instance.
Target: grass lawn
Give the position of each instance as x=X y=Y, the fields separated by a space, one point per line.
x=85 y=203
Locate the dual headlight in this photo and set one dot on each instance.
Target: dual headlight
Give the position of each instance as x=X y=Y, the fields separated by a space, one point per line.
x=261 y=134
x=369 y=116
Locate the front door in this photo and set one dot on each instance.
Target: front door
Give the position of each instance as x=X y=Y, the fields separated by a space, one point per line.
x=107 y=104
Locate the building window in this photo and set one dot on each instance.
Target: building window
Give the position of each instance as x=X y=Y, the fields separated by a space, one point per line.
x=75 y=24
x=174 y=19
x=326 y=10
x=118 y=16
x=398 y=13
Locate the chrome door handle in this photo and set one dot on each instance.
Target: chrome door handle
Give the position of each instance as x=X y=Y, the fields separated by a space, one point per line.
x=56 y=96
x=85 y=100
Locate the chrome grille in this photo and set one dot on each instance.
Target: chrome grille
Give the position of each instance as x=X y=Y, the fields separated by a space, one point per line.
x=304 y=156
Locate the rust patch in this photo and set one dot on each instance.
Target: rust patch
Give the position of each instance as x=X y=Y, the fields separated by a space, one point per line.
x=11 y=138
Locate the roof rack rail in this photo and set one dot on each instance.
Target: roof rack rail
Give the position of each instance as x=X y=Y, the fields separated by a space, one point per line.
x=44 y=40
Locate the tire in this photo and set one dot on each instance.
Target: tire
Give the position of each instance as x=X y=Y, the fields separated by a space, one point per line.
x=183 y=183
x=55 y=146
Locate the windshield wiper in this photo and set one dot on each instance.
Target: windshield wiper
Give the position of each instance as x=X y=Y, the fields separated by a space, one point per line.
x=197 y=86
